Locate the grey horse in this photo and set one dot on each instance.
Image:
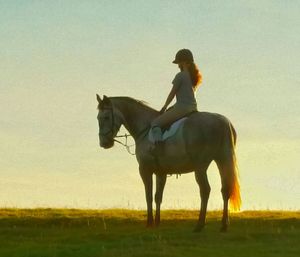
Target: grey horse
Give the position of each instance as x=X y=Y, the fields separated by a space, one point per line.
x=203 y=138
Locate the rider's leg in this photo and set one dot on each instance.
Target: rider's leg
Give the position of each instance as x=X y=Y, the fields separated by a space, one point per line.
x=163 y=120
x=171 y=115
x=157 y=133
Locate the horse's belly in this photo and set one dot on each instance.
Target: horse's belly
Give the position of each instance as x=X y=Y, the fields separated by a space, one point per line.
x=176 y=167
x=175 y=159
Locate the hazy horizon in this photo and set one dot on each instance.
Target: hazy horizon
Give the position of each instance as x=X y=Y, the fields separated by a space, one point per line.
x=56 y=55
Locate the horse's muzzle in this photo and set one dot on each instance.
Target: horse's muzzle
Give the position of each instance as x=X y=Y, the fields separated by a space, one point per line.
x=107 y=145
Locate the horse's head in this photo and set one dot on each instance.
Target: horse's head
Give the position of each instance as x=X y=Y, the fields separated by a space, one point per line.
x=109 y=122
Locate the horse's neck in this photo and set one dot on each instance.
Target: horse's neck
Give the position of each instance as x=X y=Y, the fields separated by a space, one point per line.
x=136 y=117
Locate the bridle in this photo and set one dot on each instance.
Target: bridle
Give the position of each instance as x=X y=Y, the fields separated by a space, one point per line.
x=113 y=126
x=113 y=129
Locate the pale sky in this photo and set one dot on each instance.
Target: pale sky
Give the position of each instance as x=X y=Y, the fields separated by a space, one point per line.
x=56 y=55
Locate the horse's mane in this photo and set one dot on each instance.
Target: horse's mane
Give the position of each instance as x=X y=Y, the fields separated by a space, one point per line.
x=141 y=103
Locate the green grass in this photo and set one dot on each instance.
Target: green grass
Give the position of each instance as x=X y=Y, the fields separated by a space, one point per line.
x=92 y=233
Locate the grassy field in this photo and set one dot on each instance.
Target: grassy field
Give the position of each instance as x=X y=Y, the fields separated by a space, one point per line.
x=92 y=233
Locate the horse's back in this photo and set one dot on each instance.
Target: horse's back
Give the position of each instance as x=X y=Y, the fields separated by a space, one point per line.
x=204 y=132
x=208 y=116
x=207 y=122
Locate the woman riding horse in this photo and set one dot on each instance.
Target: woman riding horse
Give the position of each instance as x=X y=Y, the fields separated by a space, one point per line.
x=184 y=85
x=204 y=137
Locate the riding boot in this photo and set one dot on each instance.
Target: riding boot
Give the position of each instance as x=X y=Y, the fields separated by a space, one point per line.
x=157 y=133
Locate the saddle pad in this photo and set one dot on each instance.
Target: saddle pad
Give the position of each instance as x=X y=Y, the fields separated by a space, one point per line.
x=170 y=132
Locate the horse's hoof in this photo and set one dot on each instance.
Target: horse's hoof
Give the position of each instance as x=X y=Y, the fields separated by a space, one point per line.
x=223 y=229
x=198 y=229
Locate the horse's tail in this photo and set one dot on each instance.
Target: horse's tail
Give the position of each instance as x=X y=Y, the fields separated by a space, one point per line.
x=235 y=196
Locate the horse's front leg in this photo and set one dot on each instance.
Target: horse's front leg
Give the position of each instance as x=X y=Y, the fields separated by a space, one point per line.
x=148 y=183
x=160 y=185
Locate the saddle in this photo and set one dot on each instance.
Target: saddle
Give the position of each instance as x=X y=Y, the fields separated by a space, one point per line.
x=171 y=129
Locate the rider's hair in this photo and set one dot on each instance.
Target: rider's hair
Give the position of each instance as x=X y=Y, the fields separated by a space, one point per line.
x=195 y=75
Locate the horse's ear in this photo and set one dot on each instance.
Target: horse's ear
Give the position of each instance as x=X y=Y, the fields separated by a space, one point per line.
x=106 y=100
x=98 y=98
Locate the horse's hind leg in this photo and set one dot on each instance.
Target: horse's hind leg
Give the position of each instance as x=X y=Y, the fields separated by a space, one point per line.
x=160 y=185
x=201 y=178
x=225 y=179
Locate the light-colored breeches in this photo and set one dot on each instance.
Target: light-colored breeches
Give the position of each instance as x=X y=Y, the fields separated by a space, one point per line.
x=167 y=118
x=173 y=114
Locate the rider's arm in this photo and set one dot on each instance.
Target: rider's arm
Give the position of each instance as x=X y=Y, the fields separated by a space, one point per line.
x=176 y=84
x=170 y=97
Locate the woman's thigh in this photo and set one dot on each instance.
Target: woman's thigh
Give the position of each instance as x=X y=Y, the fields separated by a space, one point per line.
x=170 y=116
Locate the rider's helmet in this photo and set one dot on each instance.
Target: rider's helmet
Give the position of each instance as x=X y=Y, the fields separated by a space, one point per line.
x=184 y=55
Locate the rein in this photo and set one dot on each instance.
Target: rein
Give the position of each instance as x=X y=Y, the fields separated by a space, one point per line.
x=126 y=145
x=126 y=140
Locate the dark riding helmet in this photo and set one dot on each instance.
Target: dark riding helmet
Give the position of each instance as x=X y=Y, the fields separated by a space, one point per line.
x=184 y=55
